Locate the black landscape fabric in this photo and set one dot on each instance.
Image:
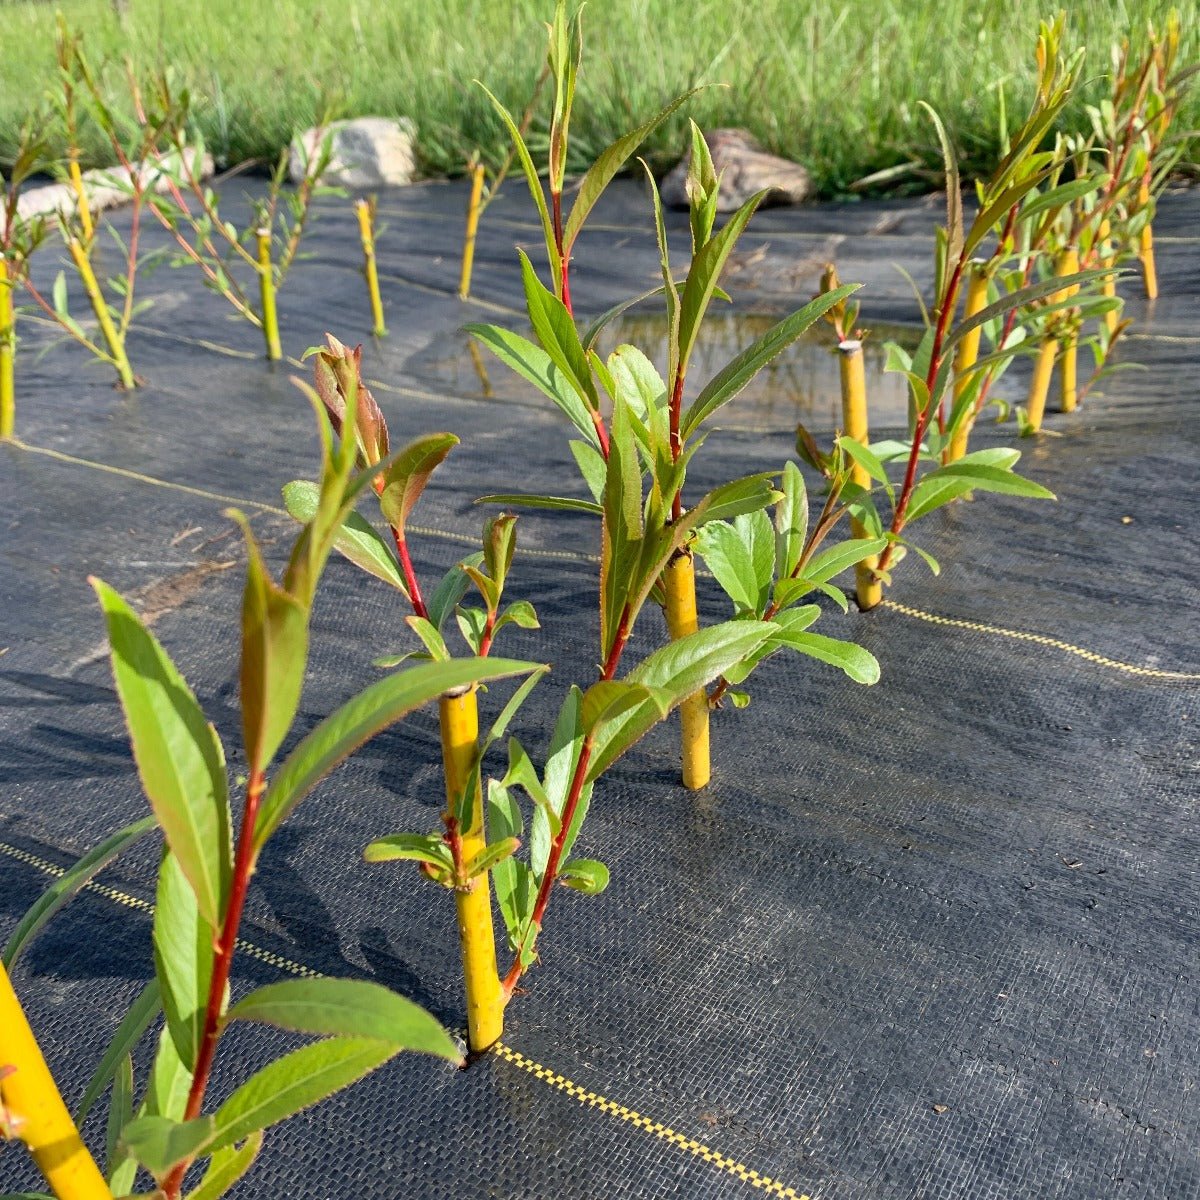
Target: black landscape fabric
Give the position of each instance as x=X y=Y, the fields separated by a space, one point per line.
x=936 y=938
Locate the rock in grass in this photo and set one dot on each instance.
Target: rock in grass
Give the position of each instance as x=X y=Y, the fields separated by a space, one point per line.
x=365 y=152
x=745 y=168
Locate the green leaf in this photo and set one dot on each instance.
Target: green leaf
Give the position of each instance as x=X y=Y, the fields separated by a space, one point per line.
x=295 y=1082
x=555 y=329
x=836 y=559
x=732 y=378
x=410 y=847
x=133 y=1024
x=226 y=1167
x=159 y=1143
x=511 y=878
x=586 y=875
x=120 y=1113
x=183 y=959
x=560 y=502
x=860 y=664
x=610 y=160
x=612 y=698
x=942 y=485
x=68 y=885
x=531 y=176
x=355 y=1008
x=59 y=294
x=520 y=613
x=492 y=856
x=178 y=754
x=451 y=588
x=375 y=708
x=502 y=722
x=356 y=540
x=274 y=656
x=430 y=637
x=622 y=522
x=405 y=479
x=535 y=366
x=471 y=624
x=954 y=213
x=705 y=272
x=591 y=466
x=680 y=668
x=169 y=1083
x=747 y=495
x=865 y=458
x=791 y=521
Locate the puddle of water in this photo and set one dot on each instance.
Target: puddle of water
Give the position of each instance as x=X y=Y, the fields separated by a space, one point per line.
x=801 y=384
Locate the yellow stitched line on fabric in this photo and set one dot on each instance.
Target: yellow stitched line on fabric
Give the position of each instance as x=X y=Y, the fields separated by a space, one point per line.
x=551 y=1078
x=1039 y=639
x=631 y=1116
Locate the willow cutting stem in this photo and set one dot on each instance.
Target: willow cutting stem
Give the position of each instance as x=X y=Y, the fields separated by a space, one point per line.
x=8 y=345
x=81 y=201
x=1146 y=247
x=366 y=230
x=485 y=1002
x=266 y=283
x=474 y=207
x=965 y=359
x=1108 y=284
x=679 y=583
x=112 y=339
x=1040 y=384
x=1068 y=264
x=868 y=587
x=32 y=1100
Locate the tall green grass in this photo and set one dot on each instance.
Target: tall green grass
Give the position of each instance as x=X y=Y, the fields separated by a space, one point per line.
x=833 y=83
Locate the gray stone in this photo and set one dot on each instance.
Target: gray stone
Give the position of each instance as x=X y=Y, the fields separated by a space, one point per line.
x=365 y=152
x=745 y=168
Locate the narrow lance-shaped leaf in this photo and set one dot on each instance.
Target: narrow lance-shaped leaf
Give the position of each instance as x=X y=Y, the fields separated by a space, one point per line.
x=706 y=271
x=680 y=669
x=610 y=160
x=295 y=1082
x=736 y=374
x=274 y=656
x=177 y=751
x=347 y=1008
x=133 y=1025
x=405 y=479
x=535 y=366
x=68 y=885
x=374 y=709
x=356 y=540
x=183 y=959
x=226 y=1167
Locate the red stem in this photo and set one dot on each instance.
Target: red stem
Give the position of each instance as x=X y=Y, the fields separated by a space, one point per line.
x=410 y=575
x=676 y=438
x=945 y=316
x=578 y=779
x=564 y=260
x=243 y=868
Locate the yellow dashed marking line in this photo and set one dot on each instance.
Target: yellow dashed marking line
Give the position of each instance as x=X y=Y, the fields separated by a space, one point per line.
x=1038 y=639
x=631 y=1116
x=552 y=1079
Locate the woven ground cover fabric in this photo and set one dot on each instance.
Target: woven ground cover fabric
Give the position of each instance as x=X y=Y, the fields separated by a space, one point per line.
x=935 y=938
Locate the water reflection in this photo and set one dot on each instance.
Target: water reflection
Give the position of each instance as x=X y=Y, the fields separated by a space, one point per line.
x=801 y=384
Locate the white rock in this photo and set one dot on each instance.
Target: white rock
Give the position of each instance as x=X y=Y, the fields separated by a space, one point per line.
x=106 y=187
x=365 y=152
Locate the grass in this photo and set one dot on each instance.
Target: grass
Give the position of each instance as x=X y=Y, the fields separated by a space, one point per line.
x=833 y=83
